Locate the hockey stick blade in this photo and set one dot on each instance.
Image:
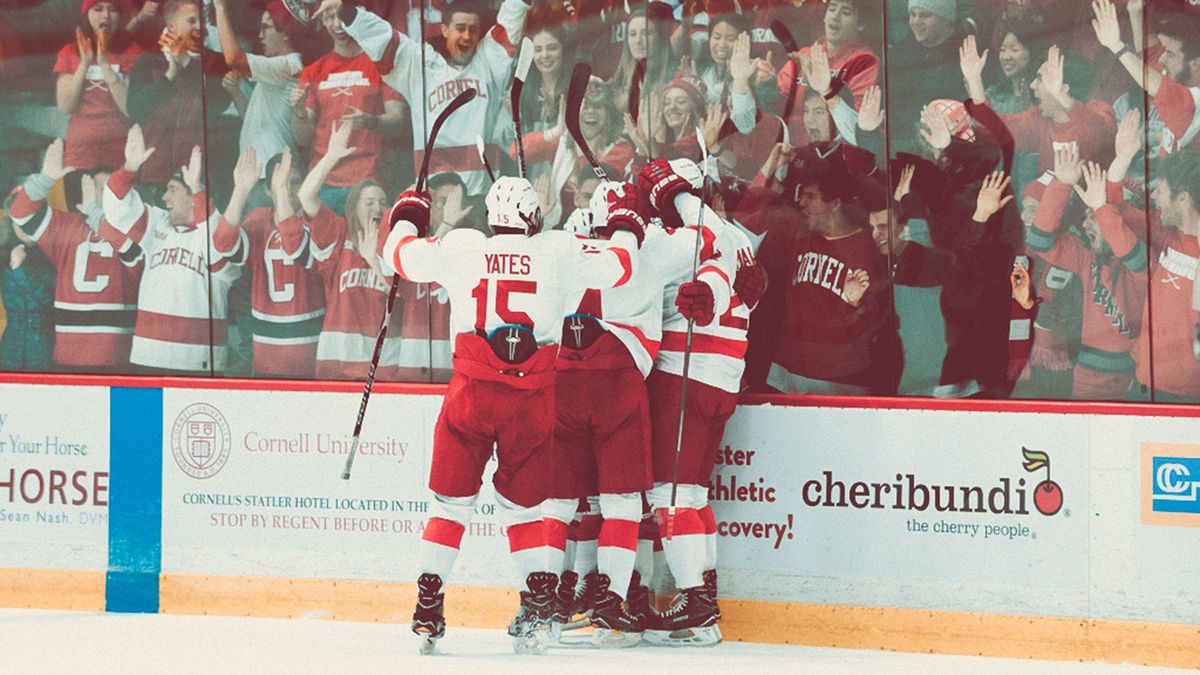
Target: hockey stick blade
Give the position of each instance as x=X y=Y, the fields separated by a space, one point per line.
x=576 y=90
x=785 y=38
x=524 y=60
x=464 y=97
x=479 y=147
x=635 y=90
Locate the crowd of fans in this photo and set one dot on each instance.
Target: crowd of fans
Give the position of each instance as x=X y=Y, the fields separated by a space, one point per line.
x=986 y=198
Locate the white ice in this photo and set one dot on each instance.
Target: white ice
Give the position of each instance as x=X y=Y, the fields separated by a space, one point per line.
x=41 y=641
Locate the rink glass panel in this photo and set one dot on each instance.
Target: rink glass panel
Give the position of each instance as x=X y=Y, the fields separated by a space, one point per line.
x=941 y=330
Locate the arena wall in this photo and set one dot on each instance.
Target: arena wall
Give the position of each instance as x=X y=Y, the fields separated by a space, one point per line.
x=901 y=524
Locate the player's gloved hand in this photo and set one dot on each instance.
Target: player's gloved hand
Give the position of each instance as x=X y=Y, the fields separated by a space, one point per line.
x=412 y=206
x=625 y=213
x=695 y=301
x=749 y=285
x=662 y=181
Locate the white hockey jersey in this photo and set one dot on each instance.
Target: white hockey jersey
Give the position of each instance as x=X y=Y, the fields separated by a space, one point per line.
x=633 y=313
x=489 y=73
x=183 y=296
x=509 y=279
x=718 y=349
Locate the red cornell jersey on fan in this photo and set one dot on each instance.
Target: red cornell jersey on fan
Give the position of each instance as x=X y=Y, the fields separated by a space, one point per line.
x=355 y=301
x=633 y=313
x=336 y=85
x=95 y=295
x=509 y=279
x=718 y=349
x=287 y=298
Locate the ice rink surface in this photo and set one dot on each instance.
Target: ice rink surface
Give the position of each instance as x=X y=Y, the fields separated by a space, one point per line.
x=41 y=641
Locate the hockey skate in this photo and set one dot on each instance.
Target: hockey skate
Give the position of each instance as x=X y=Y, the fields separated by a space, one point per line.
x=615 y=627
x=429 y=620
x=710 y=587
x=637 y=601
x=529 y=629
x=691 y=622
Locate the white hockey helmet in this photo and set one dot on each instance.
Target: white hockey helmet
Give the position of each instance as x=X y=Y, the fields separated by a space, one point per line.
x=606 y=192
x=580 y=223
x=512 y=206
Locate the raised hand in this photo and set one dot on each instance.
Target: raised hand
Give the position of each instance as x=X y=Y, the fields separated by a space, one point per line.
x=52 y=162
x=1051 y=73
x=102 y=48
x=84 y=44
x=281 y=180
x=816 y=69
x=193 y=173
x=326 y=6
x=541 y=186
x=712 y=123
x=989 y=200
x=970 y=61
x=136 y=152
x=1129 y=135
x=870 y=112
x=1067 y=168
x=935 y=128
x=904 y=186
x=339 y=141
x=453 y=212
x=636 y=135
x=772 y=164
x=1022 y=290
x=1095 y=195
x=857 y=283
x=1105 y=25
x=296 y=98
x=247 y=171
x=741 y=68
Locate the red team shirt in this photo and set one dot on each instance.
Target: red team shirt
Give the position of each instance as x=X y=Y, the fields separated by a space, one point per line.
x=337 y=84
x=95 y=296
x=287 y=298
x=96 y=130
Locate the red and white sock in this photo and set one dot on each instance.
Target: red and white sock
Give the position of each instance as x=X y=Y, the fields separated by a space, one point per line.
x=587 y=534
x=644 y=561
x=443 y=533
x=557 y=515
x=527 y=541
x=617 y=545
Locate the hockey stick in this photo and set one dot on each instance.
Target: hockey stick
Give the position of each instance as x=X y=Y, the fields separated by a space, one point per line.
x=458 y=102
x=789 y=45
x=483 y=158
x=524 y=60
x=635 y=104
x=687 y=347
x=580 y=77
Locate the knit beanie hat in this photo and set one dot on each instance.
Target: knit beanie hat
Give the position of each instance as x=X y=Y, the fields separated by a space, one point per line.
x=943 y=8
x=121 y=5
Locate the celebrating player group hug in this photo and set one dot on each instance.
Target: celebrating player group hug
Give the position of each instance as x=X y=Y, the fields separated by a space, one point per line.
x=573 y=353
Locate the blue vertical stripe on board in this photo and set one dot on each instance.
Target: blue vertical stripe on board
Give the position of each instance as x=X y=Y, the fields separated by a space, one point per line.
x=134 y=499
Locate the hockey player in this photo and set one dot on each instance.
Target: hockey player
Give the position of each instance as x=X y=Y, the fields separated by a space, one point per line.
x=184 y=292
x=716 y=363
x=482 y=64
x=95 y=298
x=287 y=300
x=508 y=295
x=602 y=433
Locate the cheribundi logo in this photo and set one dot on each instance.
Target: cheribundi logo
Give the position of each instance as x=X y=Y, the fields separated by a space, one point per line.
x=200 y=440
x=907 y=492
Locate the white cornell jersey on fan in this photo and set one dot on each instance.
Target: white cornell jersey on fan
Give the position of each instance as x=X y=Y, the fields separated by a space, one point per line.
x=718 y=349
x=489 y=73
x=633 y=313
x=508 y=279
